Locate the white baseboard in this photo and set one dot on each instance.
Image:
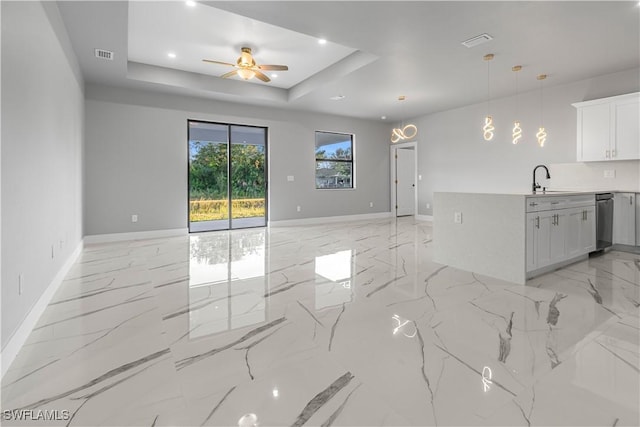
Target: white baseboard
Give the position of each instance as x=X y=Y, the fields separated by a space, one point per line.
x=329 y=219
x=424 y=218
x=137 y=235
x=17 y=340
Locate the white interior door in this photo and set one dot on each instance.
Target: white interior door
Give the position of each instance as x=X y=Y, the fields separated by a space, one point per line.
x=405 y=181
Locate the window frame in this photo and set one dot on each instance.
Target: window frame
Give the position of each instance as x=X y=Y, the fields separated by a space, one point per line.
x=352 y=162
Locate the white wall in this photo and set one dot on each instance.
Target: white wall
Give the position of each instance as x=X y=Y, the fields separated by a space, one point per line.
x=454 y=157
x=42 y=138
x=136 y=160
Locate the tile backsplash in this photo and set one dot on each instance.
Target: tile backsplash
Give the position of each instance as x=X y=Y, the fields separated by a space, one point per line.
x=619 y=175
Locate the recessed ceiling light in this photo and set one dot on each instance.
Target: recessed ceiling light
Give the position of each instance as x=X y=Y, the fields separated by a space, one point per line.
x=337 y=98
x=384 y=117
x=171 y=55
x=322 y=41
x=190 y=3
x=274 y=76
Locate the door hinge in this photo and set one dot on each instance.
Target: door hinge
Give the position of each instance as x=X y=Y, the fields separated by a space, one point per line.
x=396 y=181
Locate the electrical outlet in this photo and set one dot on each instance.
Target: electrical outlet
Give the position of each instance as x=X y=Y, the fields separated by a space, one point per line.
x=428 y=205
x=457 y=217
x=370 y=204
x=290 y=178
x=298 y=208
x=134 y=218
x=419 y=177
x=610 y=173
x=20 y=281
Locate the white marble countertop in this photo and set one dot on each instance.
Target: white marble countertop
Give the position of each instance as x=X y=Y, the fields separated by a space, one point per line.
x=553 y=192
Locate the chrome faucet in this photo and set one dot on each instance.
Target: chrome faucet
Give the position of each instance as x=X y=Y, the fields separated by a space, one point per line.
x=535 y=185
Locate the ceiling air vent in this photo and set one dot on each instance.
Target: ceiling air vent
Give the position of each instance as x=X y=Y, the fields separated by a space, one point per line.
x=475 y=41
x=104 y=54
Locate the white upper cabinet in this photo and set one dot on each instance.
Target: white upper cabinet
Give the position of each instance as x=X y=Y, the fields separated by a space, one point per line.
x=627 y=129
x=609 y=128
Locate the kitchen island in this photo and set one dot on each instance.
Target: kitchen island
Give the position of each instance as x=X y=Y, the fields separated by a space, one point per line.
x=515 y=236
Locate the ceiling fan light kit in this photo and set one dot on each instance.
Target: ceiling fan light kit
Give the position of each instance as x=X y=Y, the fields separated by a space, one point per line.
x=246 y=67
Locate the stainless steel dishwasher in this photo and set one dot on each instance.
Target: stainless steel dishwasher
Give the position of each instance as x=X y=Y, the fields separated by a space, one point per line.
x=604 y=220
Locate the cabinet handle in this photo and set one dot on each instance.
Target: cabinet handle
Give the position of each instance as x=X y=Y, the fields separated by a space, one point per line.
x=607 y=154
x=553 y=222
x=554 y=203
x=613 y=153
x=533 y=204
x=537 y=222
x=630 y=200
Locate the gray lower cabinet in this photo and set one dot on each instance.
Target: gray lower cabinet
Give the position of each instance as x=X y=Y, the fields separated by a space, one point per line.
x=561 y=233
x=581 y=231
x=637 y=219
x=624 y=219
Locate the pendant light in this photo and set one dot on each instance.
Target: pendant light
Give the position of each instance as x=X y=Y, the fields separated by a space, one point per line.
x=516 y=133
x=542 y=133
x=487 y=129
x=403 y=132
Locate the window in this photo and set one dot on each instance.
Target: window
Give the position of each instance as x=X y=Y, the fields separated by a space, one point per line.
x=334 y=160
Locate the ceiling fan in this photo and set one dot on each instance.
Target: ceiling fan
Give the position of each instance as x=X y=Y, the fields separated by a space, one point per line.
x=247 y=68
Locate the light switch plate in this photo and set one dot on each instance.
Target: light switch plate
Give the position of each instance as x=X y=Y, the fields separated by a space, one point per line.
x=290 y=178
x=457 y=217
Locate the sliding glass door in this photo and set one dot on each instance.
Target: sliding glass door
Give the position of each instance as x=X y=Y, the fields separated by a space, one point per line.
x=227 y=176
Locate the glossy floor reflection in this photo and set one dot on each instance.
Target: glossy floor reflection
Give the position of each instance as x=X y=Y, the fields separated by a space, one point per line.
x=349 y=324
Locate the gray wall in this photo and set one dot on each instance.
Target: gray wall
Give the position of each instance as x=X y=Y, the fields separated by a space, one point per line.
x=42 y=138
x=136 y=160
x=453 y=156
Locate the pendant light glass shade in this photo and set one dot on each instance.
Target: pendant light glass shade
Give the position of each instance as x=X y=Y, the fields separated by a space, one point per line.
x=541 y=135
x=516 y=133
x=246 y=74
x=487 y=129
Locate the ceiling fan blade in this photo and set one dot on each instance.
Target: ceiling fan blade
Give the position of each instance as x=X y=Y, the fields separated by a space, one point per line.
x=273 y=67
x=229 y=74
x=218 y=62
x=261 y=76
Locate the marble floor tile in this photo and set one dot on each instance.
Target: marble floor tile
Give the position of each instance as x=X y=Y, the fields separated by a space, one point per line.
x=339 y=324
